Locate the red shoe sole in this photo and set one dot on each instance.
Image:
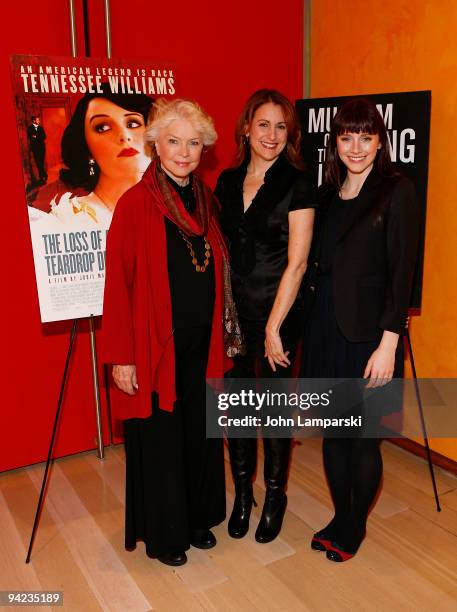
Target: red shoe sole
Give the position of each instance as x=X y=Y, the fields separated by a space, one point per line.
x=320 y=544
x=337 y=554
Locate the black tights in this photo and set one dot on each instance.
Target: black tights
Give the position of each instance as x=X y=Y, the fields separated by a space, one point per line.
x=354 y=469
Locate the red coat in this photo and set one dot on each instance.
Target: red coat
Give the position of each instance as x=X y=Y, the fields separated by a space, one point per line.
x=137 y=323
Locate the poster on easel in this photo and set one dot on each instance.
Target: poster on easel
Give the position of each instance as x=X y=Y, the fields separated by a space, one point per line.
x=80 y=123
x=407 y=119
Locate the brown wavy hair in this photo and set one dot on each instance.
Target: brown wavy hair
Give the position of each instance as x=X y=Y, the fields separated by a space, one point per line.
x=258 y=98
x=358 y=115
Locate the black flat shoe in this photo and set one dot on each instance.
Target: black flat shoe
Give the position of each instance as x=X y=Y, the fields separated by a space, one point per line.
x=320 y=544
x=174 y=558
x=340 y=553
x=203 y=538
x=323 y=539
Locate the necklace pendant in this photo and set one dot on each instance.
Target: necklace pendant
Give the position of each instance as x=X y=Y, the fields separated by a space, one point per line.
x=198 y=268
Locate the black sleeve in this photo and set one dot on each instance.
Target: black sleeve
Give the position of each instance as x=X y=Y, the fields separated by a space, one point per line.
x=402 y=242
x=304 y=194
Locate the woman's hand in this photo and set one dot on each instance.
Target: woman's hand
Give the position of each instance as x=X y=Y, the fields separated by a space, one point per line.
x=125 y=378
x=274 y=351
x=380 y=366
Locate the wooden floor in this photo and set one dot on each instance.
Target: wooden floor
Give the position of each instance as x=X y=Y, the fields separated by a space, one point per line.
x=407 y=562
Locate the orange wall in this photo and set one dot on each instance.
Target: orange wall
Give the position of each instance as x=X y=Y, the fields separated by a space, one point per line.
x=374 y=46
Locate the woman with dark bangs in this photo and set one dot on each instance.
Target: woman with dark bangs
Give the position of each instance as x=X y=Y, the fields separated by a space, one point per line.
x=267 y=216
x=104 y=155
x=363 y=257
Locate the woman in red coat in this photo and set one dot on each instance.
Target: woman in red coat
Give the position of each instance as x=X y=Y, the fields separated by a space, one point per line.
x=166 y=311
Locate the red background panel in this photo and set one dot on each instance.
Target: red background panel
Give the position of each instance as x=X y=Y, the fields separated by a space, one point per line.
x=220 y=56
x=221 y=53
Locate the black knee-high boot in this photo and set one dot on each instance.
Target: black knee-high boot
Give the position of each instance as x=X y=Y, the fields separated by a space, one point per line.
x=276 y=466
x=243 y=457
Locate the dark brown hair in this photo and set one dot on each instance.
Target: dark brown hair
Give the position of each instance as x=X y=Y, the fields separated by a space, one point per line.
x=75 y=152
x=357 y=115
x=258 y=98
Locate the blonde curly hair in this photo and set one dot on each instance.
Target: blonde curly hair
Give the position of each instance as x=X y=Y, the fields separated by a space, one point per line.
x=164 y=111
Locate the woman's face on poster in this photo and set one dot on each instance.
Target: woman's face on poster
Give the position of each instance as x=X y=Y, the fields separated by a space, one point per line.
x=179 y=147
x=114 y=136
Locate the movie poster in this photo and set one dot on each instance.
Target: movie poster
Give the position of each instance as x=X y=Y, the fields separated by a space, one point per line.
x=81 y=124
x=407 y=119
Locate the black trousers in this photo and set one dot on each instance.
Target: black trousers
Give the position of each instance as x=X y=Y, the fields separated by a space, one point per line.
x=174 y=474
x=39 y=155
x=254 y=365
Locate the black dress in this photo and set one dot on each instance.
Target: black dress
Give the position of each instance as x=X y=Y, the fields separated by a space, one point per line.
x=327 y=352
x=174 y=474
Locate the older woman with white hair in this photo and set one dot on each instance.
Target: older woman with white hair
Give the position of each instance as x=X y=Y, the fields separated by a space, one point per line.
x=166 y=322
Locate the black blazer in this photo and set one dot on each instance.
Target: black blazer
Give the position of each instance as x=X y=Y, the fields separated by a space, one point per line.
x=375 y=257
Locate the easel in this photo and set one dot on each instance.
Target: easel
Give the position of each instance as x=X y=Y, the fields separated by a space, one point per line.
x=422 y=420
x=93 y=346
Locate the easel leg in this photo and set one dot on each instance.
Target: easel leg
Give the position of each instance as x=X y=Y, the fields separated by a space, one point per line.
x=53 y=436
x=98 y=410
x=107 y=375
x=422 y=418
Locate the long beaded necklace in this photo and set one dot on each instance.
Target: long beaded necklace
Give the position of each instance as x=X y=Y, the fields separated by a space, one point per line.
x=198 y=267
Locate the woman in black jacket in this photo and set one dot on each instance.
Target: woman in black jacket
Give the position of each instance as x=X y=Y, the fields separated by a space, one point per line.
x=267 y=216
x=363 y=259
